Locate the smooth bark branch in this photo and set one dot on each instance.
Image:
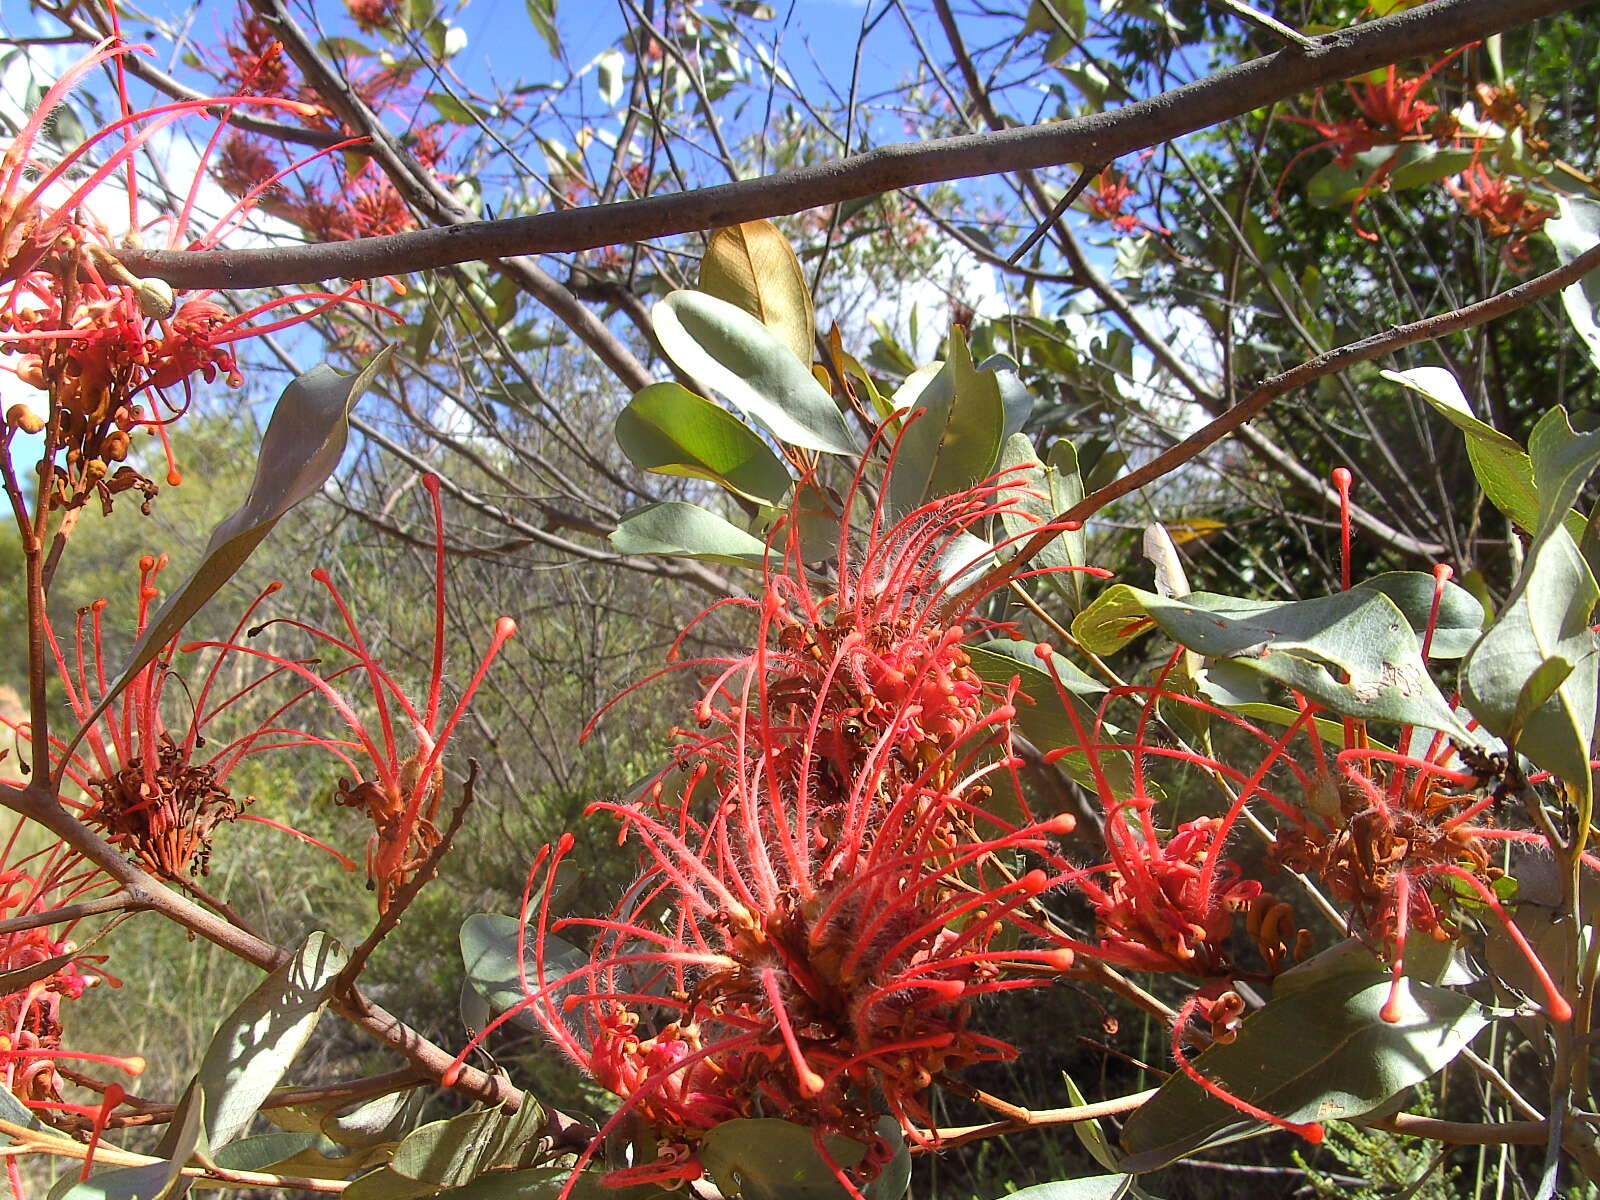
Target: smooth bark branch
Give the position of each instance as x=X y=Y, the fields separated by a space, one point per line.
x=1100 y=137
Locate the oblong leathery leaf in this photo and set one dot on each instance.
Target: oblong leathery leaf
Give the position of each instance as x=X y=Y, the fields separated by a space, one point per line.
x=256 y=1043
x=1532 y=678
x=148 y=1181
x=1353 y=652
x=668 y=429
x=1459 y=622
x=304 y=441
x=1502 y=468
x=1321 y=1053
x=489 y=954
x=678 y=529
x=1575 y=231
x=952 y=437
x=753 y=266
x=734 y=354
x=264 y=1151
x=766 y=1158
x=1088 y=1187
x=1044 y=492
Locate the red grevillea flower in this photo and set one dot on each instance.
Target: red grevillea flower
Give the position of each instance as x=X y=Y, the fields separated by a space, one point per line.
x=31 y=1017
x=1503 y=209
x=156 y=791
x=113 y=353
x=838 y=862
x=395 y=751
x=1167 y=900
x=1391 y=113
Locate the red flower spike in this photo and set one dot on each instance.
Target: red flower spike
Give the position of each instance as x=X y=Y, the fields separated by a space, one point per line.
x=142 y=783
x=32 y=1018
x=829 y=887
x=396 y=757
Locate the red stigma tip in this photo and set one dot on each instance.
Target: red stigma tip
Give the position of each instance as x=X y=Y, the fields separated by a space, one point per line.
x=504 y=628
x=1043 y=650
x=174 y=477
x=1443 y=571
x=1342 y=479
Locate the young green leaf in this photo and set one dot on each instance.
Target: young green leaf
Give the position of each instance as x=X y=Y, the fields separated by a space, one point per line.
x=668 y=429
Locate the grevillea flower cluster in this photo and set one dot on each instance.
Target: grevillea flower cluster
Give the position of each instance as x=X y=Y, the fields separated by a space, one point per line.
x=352 y=197
x=1390 y=113
x=155 y=788
x=837 y=864
x=32 y=1016
x=395 y=747
x=113 y=354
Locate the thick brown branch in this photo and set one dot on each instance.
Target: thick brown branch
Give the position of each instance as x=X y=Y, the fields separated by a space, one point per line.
x=1099 y=137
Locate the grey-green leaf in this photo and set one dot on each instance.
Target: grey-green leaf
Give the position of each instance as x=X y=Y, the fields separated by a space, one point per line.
x=678 y=529
x=1575 y=231
x=1045 y=492
x=299 y=451
x=447 y=1154
x=1353 y=652
x=1503 y=469
x=151 y=1181
x=1088 y=1187
x=668 y=429
x=1347 y=1062
x=770 y=1159
x=1458 y=623
x=264 y=1151
x=734 y=354
x=261 y=1037
x=489 y=953
x=952 y=438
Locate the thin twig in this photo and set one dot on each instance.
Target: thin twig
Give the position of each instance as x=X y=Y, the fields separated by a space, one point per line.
x=1271 y=24
x=1337 y=359
x=115 y=902
x=1028 y=1119
x=1089 y=171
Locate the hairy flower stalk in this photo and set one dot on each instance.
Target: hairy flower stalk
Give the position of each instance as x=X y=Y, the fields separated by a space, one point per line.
x=837 y=863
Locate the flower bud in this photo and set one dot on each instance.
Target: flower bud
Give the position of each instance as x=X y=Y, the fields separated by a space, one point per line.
x=155 y=297
x=20 y=416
